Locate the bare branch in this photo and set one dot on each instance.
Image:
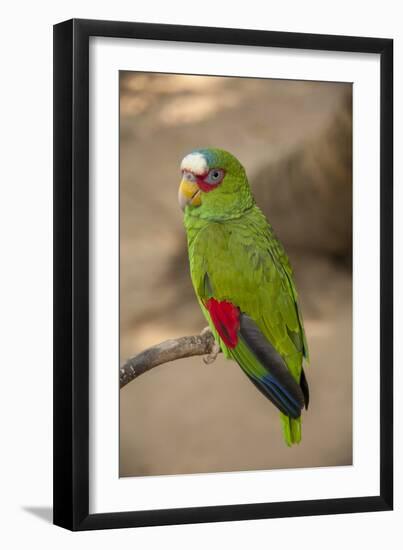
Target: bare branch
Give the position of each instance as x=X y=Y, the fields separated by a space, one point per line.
x=187 y=346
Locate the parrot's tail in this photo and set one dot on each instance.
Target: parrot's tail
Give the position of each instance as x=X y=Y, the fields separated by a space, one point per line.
x=291 y=429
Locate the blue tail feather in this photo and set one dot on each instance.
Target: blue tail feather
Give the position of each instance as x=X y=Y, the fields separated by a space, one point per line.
x=290 y=404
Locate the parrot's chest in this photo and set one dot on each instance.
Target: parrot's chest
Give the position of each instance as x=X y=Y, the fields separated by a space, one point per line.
x=222 y=258
x=209 y=247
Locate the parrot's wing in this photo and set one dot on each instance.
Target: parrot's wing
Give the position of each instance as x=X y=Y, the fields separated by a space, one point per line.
x=275 y=382
x=280 y=259
x=257 y=357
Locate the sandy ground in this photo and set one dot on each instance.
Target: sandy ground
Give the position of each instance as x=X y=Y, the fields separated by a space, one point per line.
x=186 y=417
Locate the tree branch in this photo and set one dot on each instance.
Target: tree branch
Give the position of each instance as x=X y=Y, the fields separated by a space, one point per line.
x=187 y=346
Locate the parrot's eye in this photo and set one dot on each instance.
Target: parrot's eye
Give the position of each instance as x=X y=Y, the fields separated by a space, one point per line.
x=188 y=176
x=215 y=176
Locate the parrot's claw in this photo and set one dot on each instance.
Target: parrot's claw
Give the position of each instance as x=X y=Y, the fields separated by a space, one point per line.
x=211 y=357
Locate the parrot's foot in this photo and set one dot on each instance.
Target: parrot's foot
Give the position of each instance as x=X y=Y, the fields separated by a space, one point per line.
x=215 y=348
x=211 y=357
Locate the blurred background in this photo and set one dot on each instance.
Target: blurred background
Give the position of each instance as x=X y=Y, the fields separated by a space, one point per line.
x=294 y=139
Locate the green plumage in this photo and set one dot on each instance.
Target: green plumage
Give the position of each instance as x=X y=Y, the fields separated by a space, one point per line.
x=235 y=257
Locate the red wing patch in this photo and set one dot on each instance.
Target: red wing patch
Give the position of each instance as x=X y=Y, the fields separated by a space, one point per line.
x=225 y=317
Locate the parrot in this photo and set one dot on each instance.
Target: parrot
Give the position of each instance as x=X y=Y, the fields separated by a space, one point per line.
x=244 y=282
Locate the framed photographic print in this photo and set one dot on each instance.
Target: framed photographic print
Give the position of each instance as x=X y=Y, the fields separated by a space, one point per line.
x=223 y=319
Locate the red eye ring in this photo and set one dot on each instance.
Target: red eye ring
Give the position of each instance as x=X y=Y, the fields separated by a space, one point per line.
x=215 y=176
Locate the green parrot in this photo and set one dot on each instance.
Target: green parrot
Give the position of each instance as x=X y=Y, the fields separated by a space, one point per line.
x=244 y=282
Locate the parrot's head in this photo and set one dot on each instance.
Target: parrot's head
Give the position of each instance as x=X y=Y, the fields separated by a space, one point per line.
x=214 y=184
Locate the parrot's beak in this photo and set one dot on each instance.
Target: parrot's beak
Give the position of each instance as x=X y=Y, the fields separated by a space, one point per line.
x=189 y=193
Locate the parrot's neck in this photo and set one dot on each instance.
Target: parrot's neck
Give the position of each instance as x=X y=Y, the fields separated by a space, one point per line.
x=222 y=207
x=197 y=213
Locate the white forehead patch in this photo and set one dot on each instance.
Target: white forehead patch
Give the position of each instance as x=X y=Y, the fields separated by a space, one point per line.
x=196 y=163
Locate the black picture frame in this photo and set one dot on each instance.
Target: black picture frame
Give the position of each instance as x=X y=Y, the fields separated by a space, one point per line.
x=71 y=274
